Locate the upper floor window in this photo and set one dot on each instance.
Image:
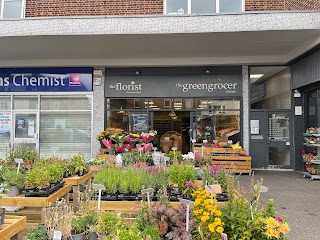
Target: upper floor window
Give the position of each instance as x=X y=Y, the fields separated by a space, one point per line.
x=12 y=9
x=202 y=6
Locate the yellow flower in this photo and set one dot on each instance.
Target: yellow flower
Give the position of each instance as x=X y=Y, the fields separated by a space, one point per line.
x=205 y=214
x=197 y=202
x=204 y=218
x=284 y=228
x=219 y=229
x=218 y=213
x=211 y=227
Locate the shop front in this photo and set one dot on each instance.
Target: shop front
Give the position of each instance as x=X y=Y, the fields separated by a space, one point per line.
x=197 y=104
x=47 y=108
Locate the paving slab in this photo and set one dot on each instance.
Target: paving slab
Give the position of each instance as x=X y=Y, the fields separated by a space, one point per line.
x=295 y=196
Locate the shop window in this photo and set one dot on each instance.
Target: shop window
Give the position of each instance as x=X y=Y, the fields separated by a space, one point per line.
x=25 y=103
x=172 y=7
x=68 y=133
x=5 y=125
x=72 y=102
x=12 y=9
x=230 y=6
x=218 y=125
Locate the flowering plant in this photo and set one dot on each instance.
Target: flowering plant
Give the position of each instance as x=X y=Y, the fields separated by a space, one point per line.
x=312 y=130
x=190 y=188
x=118 y=137
x=207 y=215
x=105 y=134
x=313 y=169
x=133 y=137
x=274 y=228
x=148 y=137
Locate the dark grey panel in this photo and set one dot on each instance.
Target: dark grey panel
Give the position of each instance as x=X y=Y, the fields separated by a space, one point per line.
x=306 y=71
x=173 y=86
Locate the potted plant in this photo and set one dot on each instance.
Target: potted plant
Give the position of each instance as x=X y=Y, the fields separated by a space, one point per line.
x=78 y=227
x=38 y=232
x=55 y=174
x=15 y=181
x=3 y=189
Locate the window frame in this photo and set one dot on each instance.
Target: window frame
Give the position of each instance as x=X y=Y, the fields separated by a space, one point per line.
x=165 y=4
x=23 y=7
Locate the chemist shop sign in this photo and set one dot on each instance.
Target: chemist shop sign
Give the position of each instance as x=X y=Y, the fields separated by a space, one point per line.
x=45 y=79
x=5 y=122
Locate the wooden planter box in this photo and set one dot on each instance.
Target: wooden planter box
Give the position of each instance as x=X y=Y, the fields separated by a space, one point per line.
x=128 y=206
x=12 y=227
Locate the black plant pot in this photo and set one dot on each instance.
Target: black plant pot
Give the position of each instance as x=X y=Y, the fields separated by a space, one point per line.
x=77 y=237
x=81 y=173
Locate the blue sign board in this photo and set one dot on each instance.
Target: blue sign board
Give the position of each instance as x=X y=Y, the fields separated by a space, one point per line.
x=45 y=79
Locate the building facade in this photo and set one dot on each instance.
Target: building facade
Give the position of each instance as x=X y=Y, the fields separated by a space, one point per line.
x=216 y=64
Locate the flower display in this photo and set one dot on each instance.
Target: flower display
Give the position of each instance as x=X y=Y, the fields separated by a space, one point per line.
x=148 y=137
x=105 y=134
x=312 y=168
x=118 y=137
x=207 y=215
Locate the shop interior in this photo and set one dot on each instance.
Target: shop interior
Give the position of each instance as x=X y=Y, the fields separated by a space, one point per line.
x=193 y=120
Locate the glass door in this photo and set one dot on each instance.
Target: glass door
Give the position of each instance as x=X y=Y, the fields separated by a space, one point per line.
x=279 y=140
x=26 y=129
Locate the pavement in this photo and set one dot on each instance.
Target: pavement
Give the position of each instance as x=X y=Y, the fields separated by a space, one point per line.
x=294 y=196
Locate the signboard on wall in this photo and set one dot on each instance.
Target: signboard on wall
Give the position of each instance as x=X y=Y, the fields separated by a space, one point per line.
x=140 y=122
x=45 y=79
x=174 y=86
x=5 y=122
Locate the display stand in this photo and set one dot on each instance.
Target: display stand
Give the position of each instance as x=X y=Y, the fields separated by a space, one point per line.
x=235 y=160
x=37 y=202
x=12 y=227
x=316 y=162
x=75 y=182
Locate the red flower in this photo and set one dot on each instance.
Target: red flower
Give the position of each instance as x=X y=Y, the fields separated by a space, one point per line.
x=314 y=151
x=303 y=152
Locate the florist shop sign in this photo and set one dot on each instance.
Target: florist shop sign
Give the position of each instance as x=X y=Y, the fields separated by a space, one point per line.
x=174 y=86
x=45 y=79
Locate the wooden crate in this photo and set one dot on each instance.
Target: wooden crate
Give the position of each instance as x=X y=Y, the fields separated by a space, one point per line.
x=237 y=164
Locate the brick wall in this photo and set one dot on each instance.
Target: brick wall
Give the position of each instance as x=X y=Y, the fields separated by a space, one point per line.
x=264 y=5
x=42 y=8
x=302 y=4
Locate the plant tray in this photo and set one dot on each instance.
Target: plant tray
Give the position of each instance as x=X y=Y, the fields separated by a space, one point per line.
x=43 y=193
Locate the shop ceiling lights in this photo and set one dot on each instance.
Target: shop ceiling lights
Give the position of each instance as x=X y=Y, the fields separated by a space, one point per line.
x=256 y=76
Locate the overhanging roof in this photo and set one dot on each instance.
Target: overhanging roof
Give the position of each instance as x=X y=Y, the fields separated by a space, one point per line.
x=248 y=38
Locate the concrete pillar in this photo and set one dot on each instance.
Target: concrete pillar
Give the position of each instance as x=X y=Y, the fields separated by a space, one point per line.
x=245 y=108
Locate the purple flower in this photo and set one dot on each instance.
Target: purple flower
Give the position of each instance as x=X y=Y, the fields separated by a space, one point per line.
x=280 y=219
x=189 y=184
x=214 y=169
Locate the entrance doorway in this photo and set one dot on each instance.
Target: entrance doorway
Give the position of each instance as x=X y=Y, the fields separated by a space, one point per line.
x=179 y=123
x=271 y=139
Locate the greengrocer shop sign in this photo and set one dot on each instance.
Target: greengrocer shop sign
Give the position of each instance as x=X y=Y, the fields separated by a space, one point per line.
x=45 y=79
x=174 y=86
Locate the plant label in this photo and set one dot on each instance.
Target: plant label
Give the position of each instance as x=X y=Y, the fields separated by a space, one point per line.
x=57 y=235
x=18 y=160
x=98 y=186
x=205 y=141
x=193 y=140
x=188 y=203
x=224 y=236
x=174 y=148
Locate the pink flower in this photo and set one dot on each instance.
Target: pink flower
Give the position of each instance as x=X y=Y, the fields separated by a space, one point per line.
x=280 y=219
